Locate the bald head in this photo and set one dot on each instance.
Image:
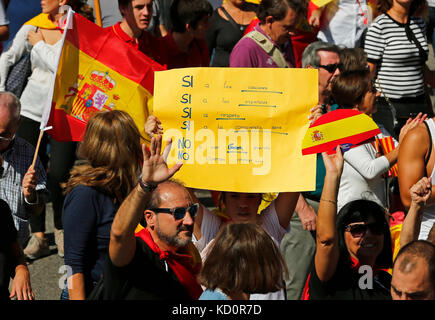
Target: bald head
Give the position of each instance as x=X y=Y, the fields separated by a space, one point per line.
x=9 y=118
x=414 y=272
x=10 y=105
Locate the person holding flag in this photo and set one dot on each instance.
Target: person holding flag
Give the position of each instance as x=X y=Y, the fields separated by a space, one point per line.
x=41 y=38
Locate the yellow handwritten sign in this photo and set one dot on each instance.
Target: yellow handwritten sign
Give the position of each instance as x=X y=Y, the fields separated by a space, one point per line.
x=238 y=129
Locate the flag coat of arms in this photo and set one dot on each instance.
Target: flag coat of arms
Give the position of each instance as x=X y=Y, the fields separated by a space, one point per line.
x=97 y=72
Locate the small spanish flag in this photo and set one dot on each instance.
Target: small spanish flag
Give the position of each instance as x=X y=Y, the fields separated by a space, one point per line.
x=346 y=127
x=98 y=72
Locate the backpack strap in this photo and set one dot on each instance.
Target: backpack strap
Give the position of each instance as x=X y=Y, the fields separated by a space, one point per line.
x=274 y=53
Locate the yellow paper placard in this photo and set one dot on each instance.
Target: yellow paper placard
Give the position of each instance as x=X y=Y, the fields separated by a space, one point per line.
x=238 y=129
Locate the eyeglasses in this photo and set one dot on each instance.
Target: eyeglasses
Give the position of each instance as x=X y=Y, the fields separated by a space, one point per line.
x=180 y=212
x=332 y=67
x=360 y=229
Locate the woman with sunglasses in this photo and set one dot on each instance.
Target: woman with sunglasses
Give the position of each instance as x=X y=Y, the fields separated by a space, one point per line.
x=353 y=247
x=364 y=168
x=94 y=191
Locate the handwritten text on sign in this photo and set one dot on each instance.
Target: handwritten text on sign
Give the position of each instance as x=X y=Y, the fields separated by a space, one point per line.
x=238 y=129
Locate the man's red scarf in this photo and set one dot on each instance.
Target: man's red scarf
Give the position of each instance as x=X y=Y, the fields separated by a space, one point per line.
x=182 y=263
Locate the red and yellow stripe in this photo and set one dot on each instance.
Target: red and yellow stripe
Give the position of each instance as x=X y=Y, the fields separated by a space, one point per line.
x=343 y=126
x=384 y=146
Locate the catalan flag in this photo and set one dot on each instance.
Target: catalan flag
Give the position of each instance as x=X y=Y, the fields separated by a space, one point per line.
x=386 y=145
x=346 y=127
x=97 y=72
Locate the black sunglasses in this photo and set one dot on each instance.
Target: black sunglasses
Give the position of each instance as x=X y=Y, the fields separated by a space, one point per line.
x=332 y=67
x=359 y=230
x=180 y=212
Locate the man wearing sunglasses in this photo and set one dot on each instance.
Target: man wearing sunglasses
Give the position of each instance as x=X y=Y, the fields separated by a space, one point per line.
x=22 y=186
x=158 y=261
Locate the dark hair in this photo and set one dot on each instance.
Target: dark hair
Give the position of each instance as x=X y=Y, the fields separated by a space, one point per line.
x=243 y=258
x=188 y=12
x=353 y=59
x=361 y=210
x=421 y=249
x=278 y=8
x=349 y=88
x=123 y=3
x=82 y=8
x=384 y=5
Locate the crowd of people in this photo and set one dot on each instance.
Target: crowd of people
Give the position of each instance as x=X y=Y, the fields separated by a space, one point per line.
x=129 y=230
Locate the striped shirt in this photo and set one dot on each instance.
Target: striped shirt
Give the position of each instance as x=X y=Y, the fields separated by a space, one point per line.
x=400 y=67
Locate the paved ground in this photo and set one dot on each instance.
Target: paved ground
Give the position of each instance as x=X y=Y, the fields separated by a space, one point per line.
x=47 y=273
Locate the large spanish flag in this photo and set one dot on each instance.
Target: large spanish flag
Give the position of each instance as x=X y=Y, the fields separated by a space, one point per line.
x=346 y=127
x=98 y=72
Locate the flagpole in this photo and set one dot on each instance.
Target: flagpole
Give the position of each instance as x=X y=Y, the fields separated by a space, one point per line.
x=98 y=12
x=41 y=133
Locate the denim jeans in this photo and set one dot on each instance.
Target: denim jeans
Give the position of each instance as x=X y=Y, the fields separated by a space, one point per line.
x=64 y=295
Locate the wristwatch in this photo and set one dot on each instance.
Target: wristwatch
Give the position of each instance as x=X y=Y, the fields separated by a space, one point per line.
x=145 y=186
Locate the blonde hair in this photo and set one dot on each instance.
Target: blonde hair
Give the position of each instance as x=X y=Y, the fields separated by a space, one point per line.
x=113 y=154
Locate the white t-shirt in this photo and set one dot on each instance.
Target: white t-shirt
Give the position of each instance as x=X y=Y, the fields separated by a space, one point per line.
x=362 y=176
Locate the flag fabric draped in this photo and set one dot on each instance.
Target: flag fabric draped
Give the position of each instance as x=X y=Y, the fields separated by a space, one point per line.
x=98 y=72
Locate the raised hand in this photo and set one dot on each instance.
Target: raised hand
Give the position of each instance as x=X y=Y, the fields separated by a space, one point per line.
x=153 y=126
x=316 y=113
x=421 y=191
x=154 y=169
x=334 y=162
x=411 y=124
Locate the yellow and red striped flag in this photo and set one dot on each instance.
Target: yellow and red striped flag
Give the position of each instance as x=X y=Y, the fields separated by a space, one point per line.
x=97 y=72
x=386 y=145
x=346 y=127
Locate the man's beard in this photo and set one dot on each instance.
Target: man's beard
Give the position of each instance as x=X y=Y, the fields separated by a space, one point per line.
x=175 y=240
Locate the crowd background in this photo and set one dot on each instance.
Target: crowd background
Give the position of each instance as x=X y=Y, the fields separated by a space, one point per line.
x=49 y=287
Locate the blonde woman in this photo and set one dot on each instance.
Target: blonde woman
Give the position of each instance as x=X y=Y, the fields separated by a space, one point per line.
x=111 y=166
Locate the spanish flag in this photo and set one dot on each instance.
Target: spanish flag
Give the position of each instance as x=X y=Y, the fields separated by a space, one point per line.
x=346 y=127
x=97 y=72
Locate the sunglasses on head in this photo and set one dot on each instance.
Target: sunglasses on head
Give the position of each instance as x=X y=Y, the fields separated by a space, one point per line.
x=180 y=212
x=360 y=229
x=332 y=67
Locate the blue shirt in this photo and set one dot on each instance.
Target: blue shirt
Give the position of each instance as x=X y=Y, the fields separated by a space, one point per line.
x=213 y=295
x=87 y=218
